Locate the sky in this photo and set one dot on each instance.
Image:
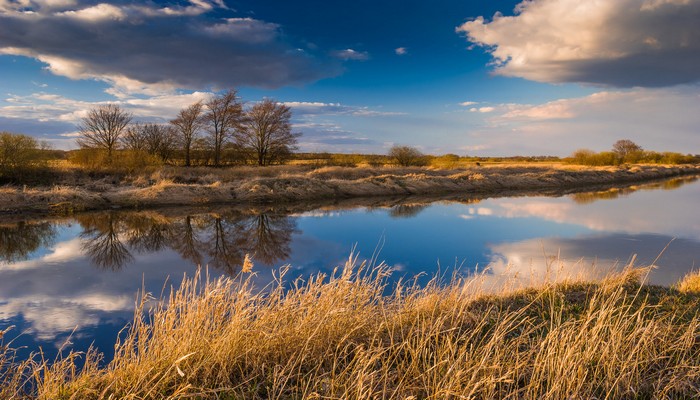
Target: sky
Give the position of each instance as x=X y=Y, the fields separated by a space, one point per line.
x=481 y=78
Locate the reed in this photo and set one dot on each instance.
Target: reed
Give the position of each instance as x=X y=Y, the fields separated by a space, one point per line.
x=351 y=335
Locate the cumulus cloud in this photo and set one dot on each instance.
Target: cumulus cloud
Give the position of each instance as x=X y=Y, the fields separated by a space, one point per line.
x=142 y=48
x=64 y=111
x=658 y=119
x=621 y=43
x=401 y=51
x=350 y=54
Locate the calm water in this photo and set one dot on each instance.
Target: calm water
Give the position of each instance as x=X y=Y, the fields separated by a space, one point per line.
x=77 y=277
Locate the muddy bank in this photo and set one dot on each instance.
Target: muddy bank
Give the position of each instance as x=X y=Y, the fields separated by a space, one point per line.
x=328 y=185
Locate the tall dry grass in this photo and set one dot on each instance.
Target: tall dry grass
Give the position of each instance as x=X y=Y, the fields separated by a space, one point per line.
x=342 y=336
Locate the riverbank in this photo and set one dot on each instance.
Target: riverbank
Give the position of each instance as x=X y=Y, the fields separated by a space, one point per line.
x=202 y=186
x=343 y=337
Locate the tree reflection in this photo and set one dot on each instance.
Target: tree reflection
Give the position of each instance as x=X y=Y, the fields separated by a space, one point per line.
x=223 y=250
x=614 y=193
x=18 y=241
x=186 y=241
x=148 y=232
x=218 y=240
x=268 y=237
x=101 y=241
x=406 y=210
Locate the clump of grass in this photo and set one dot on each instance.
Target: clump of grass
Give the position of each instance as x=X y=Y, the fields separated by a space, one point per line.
x=690 y=283
x=343 y=336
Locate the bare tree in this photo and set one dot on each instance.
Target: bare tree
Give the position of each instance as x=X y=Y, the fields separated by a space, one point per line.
x=624 y=147
x=133 y=138
x=223 y=118
x=267 y=132
x=160 y=140
x=102 y=128
x=187 y=125
x=407 y=156
x=154 y=139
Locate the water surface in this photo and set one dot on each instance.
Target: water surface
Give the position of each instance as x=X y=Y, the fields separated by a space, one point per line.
x=71 y=282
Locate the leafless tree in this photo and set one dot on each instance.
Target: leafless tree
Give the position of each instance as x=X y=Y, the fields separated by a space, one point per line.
x=624 y=147
x=188 y=123
x=223 y=118
x=160 y=140
x=133 y=138
x=102 y=128
x=267 y=132
x=154 y=139
x=407 y=156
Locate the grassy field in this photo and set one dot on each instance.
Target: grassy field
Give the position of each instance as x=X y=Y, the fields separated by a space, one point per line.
x=172 y=186
x=349 y=335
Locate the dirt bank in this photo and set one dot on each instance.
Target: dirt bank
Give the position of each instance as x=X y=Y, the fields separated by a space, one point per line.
x=331 y=183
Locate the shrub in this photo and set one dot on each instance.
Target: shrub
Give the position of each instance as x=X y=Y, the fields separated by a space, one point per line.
x=589 y=157
x=21 y=157
x=407 y=156
x=123 y=161
x=447 y=161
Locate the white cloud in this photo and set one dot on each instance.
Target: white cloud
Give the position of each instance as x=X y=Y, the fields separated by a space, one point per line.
x=350 y=54
x=320 y=108
x=595 y=121
x=468 y=103
x=47 y=107
x=483 y=110
x=611 y=42
x=245 y=30
x=96 y=13
x=401 y=51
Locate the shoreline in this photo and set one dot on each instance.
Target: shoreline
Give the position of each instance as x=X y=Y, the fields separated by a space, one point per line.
x=324 y=185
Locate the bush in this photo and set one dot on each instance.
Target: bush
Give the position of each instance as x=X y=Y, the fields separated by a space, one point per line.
x=448 y=161
x=123 y=161
x=407 y=156
x=589 y=157
x=21 y=157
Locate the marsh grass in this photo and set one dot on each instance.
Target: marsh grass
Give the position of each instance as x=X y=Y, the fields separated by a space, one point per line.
x=690 y=283
x=343 y=336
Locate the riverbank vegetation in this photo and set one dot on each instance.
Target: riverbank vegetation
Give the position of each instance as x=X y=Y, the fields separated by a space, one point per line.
x=176 y=186
x=626 y=151
x=351 y=335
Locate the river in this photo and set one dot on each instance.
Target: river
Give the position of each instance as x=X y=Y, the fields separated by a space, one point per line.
x=69 y=282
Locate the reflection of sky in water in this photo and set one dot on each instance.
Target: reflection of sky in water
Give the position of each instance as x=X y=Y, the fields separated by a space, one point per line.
x=56 y=285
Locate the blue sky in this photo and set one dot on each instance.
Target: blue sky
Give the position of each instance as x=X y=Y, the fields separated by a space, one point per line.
x=467 y=77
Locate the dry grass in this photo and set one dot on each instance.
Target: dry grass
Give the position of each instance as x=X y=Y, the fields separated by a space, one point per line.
x=246 y=185
x=343 y=336
x=690 y=283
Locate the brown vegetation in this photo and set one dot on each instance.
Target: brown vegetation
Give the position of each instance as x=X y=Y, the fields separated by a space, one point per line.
x=350 y=336
x=626 y=151
x=246 y=185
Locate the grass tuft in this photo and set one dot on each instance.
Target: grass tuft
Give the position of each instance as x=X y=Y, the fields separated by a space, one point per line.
x=690 y=283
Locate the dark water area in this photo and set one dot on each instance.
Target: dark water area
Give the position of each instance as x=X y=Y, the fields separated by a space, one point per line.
x=71 y=282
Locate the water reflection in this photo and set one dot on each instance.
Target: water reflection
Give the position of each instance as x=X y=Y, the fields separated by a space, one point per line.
x=57 y=274
x=19 y=240
x=407 y=210
x=101 y=241
x=217 y=239
x=616 y=192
